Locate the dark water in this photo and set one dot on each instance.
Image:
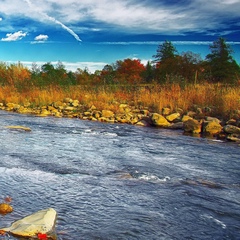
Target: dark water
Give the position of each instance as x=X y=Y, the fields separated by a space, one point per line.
x=109 y=181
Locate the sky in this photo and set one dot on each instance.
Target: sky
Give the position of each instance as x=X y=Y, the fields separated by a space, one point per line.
x=92 y=33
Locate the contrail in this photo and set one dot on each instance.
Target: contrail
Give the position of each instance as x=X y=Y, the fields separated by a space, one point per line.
x=52 y=19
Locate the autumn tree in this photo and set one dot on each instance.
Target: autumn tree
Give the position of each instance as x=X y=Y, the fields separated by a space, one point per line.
x=129 y=71
x=220 y=64
x=83 y=77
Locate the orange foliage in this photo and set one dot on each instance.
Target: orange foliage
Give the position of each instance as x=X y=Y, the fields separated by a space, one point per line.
x=130 y=70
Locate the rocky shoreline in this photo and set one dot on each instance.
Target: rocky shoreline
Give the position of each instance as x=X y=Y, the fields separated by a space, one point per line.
x=196 y=123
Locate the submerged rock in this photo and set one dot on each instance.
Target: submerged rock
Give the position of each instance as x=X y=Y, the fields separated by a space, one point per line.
x=19 y=128
x=5 y=208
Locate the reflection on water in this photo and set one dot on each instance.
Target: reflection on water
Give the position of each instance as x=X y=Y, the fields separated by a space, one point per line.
x=109 y=181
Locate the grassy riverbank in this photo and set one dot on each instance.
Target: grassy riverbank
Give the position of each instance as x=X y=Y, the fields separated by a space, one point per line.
x=223 y=100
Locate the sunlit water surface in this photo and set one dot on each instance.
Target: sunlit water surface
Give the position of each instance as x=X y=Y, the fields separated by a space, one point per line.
x=111 y=181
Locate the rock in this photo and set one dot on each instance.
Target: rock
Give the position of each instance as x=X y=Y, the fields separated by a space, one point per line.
x=191 y=114
x=75 y=103
x=179 y=110
x=69 y=109
x=5 y=208
x=199 y=111
x=42 y=222
x=178 y=125
x=145 y=112
x=58 y=104
x=143 y=123
x=166 y=111
x=231 y=122
x=96 y=114
x=57 y=114
x=185 y=118
x=23 y=110
x=234 y=137
x=172 y=117
x=192 y=126
x=213 y=119
x=107 y=113
x=68 y=100
x=44 y=113
x=92 y=108
x=159 y=120
x=19 y=128
x=212 y=127
x=231 y=129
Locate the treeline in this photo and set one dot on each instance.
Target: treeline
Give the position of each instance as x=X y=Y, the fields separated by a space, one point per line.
x=168 y=66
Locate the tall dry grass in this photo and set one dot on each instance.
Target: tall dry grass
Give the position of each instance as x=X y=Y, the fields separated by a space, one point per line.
x=222 y=99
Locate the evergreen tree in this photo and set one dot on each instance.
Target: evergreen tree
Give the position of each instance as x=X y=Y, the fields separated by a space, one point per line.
x=220 y=63
x=166 y=62
x=165 y=51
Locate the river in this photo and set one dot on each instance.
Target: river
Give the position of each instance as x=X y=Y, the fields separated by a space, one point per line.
x=112 y=181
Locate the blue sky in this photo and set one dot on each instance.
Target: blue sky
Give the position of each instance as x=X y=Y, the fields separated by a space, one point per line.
x=93 y=33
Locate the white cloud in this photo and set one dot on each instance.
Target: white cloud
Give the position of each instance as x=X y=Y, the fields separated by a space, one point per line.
x=14 y=36
x=1 y=19
x=149 y=16
x=41 y=37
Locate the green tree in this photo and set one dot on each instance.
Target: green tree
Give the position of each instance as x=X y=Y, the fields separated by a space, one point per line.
x=165 y=51
x=221 y=66
x=166 y=62
x=148 y=74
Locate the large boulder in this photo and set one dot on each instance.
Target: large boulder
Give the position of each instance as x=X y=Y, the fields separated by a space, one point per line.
x=192 y=126
x=231 y=129
x=159 y=120
x=211 y=127
x=172 y=116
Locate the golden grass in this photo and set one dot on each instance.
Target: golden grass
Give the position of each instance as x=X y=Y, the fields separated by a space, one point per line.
x=224 y=100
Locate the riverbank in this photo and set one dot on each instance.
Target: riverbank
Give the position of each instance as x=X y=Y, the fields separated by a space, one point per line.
x=197 y=122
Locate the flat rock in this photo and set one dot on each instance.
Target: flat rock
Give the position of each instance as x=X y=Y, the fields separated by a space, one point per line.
x=27 y=129
x=42 y=222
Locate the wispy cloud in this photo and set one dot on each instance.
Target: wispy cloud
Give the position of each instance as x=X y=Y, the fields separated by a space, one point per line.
x=14 y=36
x=131 y=16
x=52 y=19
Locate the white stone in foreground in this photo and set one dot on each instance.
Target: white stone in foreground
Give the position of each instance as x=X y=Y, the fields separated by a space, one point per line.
x=42 y=221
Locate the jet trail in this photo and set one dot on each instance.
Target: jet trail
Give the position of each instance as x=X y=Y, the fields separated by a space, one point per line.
x=52 y=19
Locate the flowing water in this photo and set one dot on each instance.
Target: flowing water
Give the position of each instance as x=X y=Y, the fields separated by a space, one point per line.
x=111 y=181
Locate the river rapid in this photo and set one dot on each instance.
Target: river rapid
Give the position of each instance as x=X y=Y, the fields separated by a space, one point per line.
x=112 y=181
